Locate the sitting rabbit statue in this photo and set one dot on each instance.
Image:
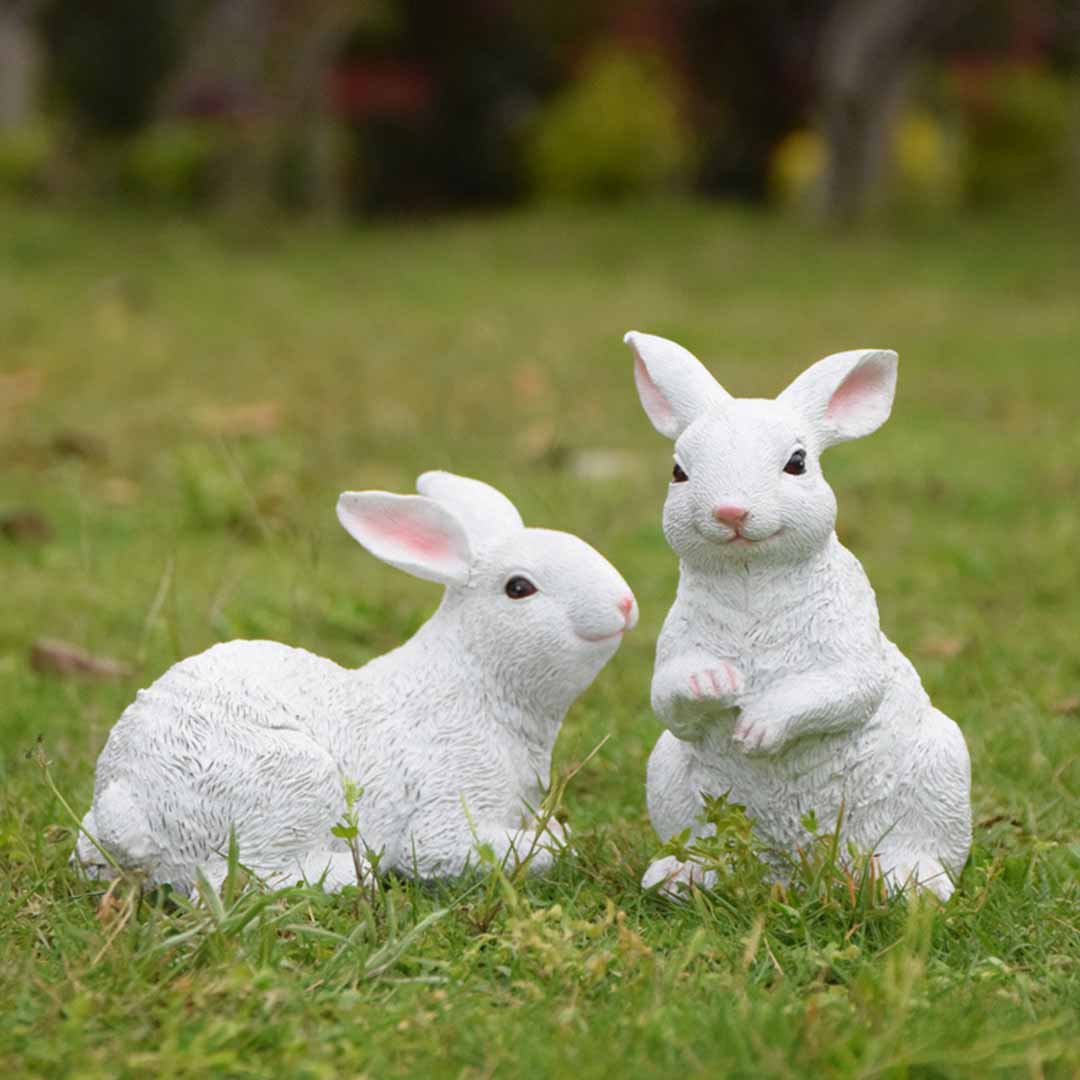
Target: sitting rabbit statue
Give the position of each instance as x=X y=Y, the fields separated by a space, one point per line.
x=772 y=676
x=449 y=735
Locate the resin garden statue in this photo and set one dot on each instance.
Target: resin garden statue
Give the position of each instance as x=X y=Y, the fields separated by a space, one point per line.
x=773 y=678
x=449 y=736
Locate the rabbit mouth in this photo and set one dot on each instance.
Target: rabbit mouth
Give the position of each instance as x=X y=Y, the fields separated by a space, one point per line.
x=739 y=538
x=727 y=537
x=604 y=637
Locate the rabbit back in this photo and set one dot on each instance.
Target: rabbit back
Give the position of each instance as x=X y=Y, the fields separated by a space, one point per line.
x=230 y=739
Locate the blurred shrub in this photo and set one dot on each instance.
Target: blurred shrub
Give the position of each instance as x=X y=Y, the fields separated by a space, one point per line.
x=109 y=58
x=616 y=132
x=796 y=168
x=440 y=105
x=752 y=74
x=1018 y=127
x=926 y=168
x=25 y=155
x=309 y=166
x=173 y=164
x=928 y=162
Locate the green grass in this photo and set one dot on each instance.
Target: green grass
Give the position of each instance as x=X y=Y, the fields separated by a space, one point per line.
x=492 y=347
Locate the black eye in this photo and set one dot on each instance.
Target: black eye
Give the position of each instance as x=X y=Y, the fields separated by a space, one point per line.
x=678 y=475
x=796 y=465
x=517 y=588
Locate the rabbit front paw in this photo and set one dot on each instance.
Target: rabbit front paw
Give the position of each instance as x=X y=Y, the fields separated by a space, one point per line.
x=695 y=692
x=722 y=684
x=756 y=733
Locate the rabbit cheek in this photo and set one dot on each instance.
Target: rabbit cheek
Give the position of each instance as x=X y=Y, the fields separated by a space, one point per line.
x=678 y=523
x=809 y=513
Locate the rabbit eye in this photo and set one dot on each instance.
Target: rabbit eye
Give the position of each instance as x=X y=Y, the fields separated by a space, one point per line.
x=517 y=588
x=678 y=474
x=796 y=465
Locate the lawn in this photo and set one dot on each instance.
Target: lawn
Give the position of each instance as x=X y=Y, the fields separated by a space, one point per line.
x=180 y=405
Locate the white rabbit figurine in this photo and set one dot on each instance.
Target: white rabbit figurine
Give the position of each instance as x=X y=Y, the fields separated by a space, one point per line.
x=450 y=735
x=772 y=675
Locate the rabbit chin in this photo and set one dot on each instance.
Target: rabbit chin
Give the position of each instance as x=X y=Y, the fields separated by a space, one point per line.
x=587 y=659
x=709 y=542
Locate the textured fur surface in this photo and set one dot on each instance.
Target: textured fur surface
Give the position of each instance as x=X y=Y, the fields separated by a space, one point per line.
x=450 y=735
x=772 y=675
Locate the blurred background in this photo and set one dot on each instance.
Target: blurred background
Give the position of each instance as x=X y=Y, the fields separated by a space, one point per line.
x=362 y=108
x=254 y=253
x=257 y=252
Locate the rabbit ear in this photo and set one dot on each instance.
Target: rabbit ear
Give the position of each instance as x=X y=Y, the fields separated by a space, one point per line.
x=672 y=383
x=846 y=395
x=413 y=533
x=485 y=512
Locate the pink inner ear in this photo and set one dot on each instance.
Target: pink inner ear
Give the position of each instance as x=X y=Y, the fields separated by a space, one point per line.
x=414 y=536
x=852 y=394
x=655 y=403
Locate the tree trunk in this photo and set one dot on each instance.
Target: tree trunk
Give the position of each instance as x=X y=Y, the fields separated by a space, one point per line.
x=19 y=64
x=868 y=53
x=265 y=65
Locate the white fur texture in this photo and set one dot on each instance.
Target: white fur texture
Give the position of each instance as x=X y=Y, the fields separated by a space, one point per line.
x=772 y=675
x=450 y=735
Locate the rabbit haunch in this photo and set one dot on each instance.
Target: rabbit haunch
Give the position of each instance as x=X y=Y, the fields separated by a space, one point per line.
x=449 y=735
x=772 y=675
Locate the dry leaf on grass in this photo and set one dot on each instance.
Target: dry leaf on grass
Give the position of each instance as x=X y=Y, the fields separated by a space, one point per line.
x=1066 y=705
x=537 y=439
x=109 y=907
x=532 y=385
x=50 y=656
x=943 y=647
x=599 y=464
x=80 y=444
x=119 y=491
x=25 y=527
x=19 y=387
x=252 y=418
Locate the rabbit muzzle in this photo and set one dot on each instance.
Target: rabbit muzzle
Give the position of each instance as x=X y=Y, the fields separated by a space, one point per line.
x=624 y=618
x=744 y=530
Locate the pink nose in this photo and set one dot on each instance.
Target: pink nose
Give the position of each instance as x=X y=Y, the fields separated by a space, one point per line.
x=626 y=604
x=730 y=515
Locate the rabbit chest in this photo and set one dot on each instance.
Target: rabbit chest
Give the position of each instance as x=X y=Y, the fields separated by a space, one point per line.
x=775 y=629
x=770 y=622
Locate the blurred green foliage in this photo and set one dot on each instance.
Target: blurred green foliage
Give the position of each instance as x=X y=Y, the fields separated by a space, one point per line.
x=617 y=131
x=403 y=105
x=1019 y=141
x=928 y=162
x=173 y=164
x=25 y=154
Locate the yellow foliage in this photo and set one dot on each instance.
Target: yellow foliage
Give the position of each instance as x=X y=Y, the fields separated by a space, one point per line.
x=617 y=131
x=796 y=167
x=926 y=166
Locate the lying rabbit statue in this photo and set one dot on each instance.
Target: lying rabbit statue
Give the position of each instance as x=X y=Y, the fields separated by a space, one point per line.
x=449 y=735
x=772 y=676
